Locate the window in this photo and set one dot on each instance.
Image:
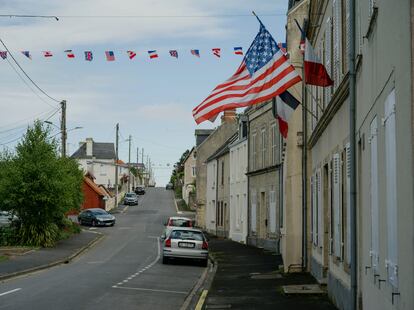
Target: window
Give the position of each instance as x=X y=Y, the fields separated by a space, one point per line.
x=253 y=211
x=374 y=251
x=391 y=189
x=272 y=211
x=254 y=151
x=263 y=150
x=348 y=203
x=337 y=7
x=193 y=171
x=337 y=208
x=328 y=58
x=274 y=145
x=222 y=173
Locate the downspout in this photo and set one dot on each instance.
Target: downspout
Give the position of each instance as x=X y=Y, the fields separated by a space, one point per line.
x=248 y=182
x=217 y=203
x=352 y=149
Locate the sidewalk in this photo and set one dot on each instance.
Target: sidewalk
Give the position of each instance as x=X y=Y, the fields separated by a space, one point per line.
x=44 y=258
x=248 y=278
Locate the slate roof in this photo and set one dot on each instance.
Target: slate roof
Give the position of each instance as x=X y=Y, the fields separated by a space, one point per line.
x=224 y=148
x=100 y=150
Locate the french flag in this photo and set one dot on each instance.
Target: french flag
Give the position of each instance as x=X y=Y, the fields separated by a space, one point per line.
x=284 y=109
x=47 y=53
x=315 y=71
x=153 y=54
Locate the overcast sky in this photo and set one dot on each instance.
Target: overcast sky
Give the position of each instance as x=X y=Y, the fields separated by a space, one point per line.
x=150 y=99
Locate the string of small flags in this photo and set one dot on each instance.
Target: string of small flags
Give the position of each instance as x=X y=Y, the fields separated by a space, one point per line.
x=110 y=55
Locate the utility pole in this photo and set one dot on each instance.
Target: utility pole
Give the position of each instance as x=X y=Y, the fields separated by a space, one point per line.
x=63 y=127
x=129 y=164
x=142 y=157
x=137 y=165
x=116 y=165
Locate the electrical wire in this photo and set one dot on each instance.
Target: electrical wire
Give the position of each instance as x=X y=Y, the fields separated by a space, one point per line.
x=30 y=117
x=31 y=16
x=41 y=90
x=170 y=16
x=27 y=84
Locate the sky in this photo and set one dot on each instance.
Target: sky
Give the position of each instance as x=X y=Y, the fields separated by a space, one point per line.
x=151 y=100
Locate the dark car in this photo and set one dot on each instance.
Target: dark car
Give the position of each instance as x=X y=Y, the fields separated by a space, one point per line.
x=140 y=190
x=131 y=199
x=169 y=186
x=96 y=217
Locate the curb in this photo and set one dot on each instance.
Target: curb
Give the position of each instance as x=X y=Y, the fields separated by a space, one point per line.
x=195 y=299
x=176 y=207
x=65 y=260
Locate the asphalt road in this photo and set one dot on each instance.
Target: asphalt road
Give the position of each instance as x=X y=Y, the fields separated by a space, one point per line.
x=123 y=271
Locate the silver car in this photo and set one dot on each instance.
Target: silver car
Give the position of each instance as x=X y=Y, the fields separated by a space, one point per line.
x=184 y=242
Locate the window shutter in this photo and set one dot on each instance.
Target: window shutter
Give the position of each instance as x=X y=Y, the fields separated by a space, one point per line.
x=320 y=209
x=328 y=58
x=336 y=42
x=253 y=212
x=391 y=188
x=272 y=211
x=348 y=31
x=348 y=202
x=313 y=191
x=374 y=252
x=337 y=202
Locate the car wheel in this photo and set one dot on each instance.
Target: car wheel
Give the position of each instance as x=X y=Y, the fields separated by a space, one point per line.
x=204 y=263
x=164 y=260
x=113 y=224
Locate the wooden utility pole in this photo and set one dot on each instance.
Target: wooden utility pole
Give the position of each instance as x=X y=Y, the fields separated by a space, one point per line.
x=129 y=164
x=116 y=165
x=63 y=127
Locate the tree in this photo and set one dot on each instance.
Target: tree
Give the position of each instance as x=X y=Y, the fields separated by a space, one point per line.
x=40 y=187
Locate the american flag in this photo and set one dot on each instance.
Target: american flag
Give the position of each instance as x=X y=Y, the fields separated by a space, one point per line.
x=174 y=53
x=216 y=52
x=110 y=56
x=153 y=54
x=131 y=54
x=88 y=56
x=238 y=50
x=195 y=53
x=282 y=47
x=3 y=54
x=70 y=54
x=263 y=74
x=47 y=53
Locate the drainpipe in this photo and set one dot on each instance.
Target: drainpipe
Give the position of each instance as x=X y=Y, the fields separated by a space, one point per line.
x=352 y=140
x=248 y=181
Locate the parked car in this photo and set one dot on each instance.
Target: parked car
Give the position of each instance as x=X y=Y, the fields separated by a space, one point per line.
x=185 y=243
x=96 y=217
x=179 y=221
x=140 y=190
x=169 y=186
x=131 y=199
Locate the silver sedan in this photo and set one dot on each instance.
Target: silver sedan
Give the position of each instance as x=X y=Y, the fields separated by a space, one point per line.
x=188 y=243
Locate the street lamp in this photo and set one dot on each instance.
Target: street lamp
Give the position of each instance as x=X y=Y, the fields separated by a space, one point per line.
x=64 y=133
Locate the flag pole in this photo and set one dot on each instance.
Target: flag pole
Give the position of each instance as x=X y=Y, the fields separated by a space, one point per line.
x=303 y=106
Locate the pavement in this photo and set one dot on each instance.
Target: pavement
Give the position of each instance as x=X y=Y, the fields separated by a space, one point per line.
x=249 y=278
x=44 y=258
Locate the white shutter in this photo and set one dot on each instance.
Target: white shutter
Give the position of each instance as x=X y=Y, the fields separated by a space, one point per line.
x=374 y=252
x=391 y=188
x=348 y=31
x=336 y=42
x=272 y=211
x=313 y=193
x=337 y=203
x=348 y=202
x=320 y=209
x=328 y=58
x=253 y=217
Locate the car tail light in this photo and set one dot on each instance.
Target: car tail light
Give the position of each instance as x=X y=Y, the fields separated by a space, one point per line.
x=168 y=243
x=205 y=245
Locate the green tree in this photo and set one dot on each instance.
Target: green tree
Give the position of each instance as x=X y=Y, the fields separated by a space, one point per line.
x=40 y=187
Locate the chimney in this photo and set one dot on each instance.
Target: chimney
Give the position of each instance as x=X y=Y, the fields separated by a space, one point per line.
x=228 y=116
x=89 y=146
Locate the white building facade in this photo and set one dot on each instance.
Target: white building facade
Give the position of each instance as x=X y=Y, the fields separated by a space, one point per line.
x=211 y=196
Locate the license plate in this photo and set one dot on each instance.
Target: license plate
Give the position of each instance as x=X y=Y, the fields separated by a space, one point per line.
x=186 y=245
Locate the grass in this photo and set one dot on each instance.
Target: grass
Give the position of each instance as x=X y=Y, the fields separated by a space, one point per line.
x=3 y=258
x=182 y=206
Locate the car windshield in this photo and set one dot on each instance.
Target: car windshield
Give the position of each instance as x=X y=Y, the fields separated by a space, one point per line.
x=99 y=212
x=187 y=235
x=180 y=223
x=130 y=195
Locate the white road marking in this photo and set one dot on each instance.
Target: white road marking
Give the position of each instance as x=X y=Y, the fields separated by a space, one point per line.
x=9 y=292
x=124 y=227
x=96 y=262
x=150 y=290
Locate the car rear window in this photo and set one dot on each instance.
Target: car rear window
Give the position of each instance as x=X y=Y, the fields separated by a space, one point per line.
x=187 y=235
x=98 y=212
x=180 y=223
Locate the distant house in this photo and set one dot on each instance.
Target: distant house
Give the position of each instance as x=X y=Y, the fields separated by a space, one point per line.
x=189 y=175
x=95 y=196
x=97 y=158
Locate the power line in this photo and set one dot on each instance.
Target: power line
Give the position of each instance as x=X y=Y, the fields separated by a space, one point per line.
x=30 y=117
x=27 y=84
x=27 y=74
x=169 y=16
x=31 y=16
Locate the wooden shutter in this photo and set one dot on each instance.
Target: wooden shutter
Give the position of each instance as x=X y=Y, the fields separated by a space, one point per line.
x=320 y=208
x=336 y=42
x=272 y=211
x=391 y=188
x=374 y=251
x=348 y=202
x=253 y=217
x=328 y=58
x=337 y=204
